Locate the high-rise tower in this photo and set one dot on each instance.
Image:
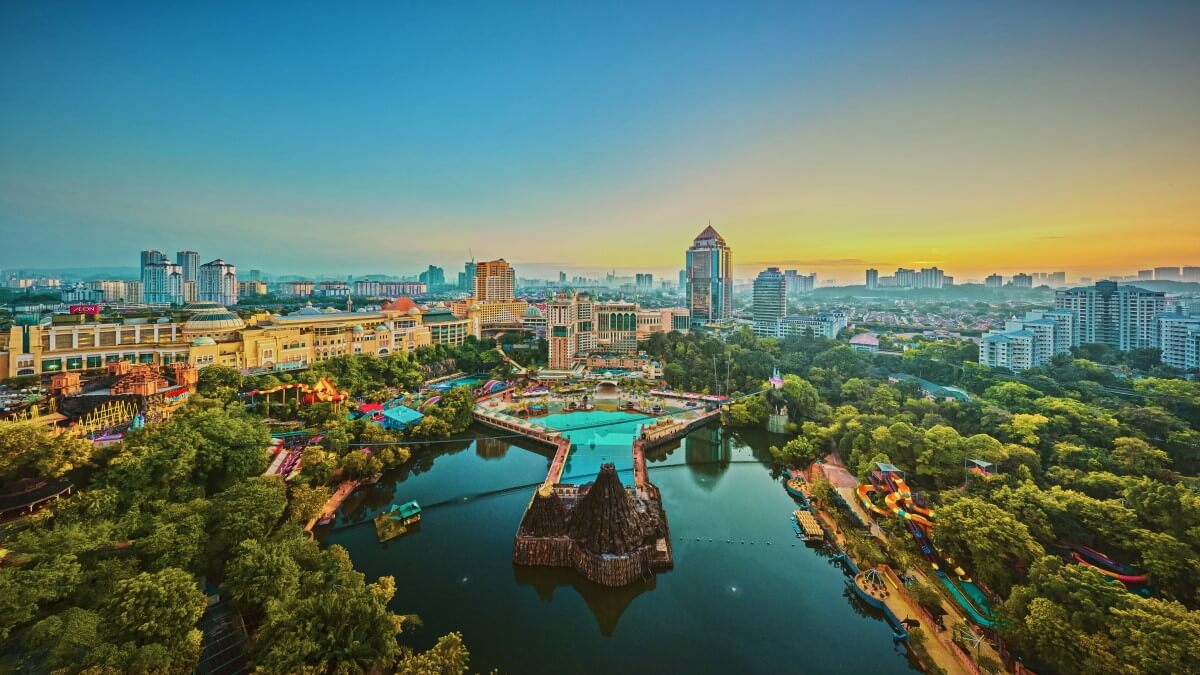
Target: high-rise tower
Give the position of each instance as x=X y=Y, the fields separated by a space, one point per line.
x=709 y=278
x=770 y=301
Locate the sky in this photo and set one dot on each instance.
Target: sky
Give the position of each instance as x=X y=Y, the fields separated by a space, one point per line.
x=326 y=138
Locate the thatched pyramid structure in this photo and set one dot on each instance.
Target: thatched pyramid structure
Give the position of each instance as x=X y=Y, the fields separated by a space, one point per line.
x=606 y=520
x=547 y=517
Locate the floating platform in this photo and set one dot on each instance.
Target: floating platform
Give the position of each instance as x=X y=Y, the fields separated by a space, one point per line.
x=396 y=521
x=808 y=525
x=795 y=488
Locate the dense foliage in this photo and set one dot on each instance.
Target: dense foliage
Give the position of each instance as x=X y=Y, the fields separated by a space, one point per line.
x=108 y=580
x=1081 y=454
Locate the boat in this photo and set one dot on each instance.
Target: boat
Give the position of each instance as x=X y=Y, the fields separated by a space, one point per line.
x=397 y=520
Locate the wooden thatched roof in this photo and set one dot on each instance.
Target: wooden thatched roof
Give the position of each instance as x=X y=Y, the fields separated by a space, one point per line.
x=605 y=520
x=547 y=517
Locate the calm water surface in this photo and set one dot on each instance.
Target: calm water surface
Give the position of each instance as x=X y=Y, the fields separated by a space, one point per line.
x=770 y=604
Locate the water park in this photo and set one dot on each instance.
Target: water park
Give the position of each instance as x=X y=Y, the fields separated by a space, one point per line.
x=596 y=511
x=899 y=502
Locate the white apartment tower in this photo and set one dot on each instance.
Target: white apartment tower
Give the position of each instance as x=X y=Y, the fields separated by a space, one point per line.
x=1124 y=317
x=218 y=283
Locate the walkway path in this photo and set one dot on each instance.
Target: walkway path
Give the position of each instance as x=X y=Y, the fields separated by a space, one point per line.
x=837 y=474
x=335 y=502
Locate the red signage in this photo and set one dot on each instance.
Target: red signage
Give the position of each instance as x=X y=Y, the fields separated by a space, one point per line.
x=85 y=309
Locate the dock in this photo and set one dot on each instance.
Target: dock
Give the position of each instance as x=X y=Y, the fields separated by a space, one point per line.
x=809 y=525
x=335 y=502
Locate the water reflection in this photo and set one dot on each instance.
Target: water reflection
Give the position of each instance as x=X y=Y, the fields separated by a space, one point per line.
x=492 y=448
x=606 y=604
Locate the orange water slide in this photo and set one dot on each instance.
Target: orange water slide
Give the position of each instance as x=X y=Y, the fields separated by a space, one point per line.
x=864 y=495
x=893 y=503
x=906 y=495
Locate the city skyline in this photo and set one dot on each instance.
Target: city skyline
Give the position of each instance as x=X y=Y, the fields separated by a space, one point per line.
x=1017 y=139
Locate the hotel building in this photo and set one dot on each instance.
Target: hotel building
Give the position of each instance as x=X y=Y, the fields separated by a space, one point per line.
x=709 y=278
x=578 y=328
x=207 y=334
x=495 y=281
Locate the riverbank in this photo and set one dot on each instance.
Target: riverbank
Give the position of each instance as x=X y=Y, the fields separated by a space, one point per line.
x=734 y=557
x=941 y=648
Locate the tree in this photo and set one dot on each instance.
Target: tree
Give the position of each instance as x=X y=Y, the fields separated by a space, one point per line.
x=335 y=620
x=176 y=537
x=749 y=412
x=448 y=657
x=822 y=492
x=994 y=542
x=27 y=450
x=942 y=456
x=801 y=398
x=1026 y=428
x=926 y=596
x=1137 y=457
x=306 y=503
x=23 y=590
x=799 y=451
x=317 y=465
x=260 y=572
x=160 y=607
x=235 y=447
x=218 y=382
x=1013 y=396
x=248 y=510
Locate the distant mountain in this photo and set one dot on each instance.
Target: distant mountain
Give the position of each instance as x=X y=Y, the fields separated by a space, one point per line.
x=1167 y=286
x=74 y=273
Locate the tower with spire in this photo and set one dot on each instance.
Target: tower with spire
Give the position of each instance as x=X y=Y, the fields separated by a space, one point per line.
x=709 y=270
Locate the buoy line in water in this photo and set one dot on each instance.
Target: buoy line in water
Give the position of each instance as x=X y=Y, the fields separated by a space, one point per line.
x=472 y=497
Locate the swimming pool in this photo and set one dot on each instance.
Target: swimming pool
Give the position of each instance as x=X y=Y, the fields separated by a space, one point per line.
x=464 y=381
x=595 y=445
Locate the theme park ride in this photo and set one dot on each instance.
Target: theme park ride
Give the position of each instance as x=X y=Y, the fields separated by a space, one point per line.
x=322 y=392
x=1105 y=565
x=898 y=501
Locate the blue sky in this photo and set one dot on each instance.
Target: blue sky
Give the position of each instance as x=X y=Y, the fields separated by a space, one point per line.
x=380 y=137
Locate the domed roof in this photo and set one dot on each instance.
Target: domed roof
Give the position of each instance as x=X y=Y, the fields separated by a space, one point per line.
x=306 y=310
x=202 y=306
x=415 y=311
x=203 y=340
x=532 y=312
x=381 y=328
x=329 y=310
x=213 y=321
x=474 y=308
x=440 y=304
x=357 y=328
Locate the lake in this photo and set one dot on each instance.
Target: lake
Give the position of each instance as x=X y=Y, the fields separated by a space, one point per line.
x=745 y=596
